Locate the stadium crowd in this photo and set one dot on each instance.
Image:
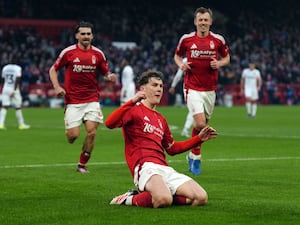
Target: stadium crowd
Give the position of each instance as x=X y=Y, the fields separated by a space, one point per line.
x=269 y=37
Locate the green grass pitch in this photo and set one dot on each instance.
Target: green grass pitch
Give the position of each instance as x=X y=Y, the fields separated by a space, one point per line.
x=251 y=172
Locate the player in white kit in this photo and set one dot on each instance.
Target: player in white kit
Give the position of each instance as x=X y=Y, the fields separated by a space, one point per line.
x=250 y=86
x=128 y=84
x=11 y=95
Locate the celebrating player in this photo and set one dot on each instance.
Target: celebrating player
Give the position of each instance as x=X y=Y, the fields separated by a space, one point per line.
x=206 y=52
x=81 y=91
x=147 y=137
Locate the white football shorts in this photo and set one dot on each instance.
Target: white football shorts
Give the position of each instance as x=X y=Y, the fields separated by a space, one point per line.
x=75 y=114
x=200 y=102
x=8 y=100
x=251 y=93
x=172 y=178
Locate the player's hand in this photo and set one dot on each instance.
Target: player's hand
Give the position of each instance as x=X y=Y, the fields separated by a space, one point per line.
x=207 y=133
x=59 y=91
x=139 y=96
x=185 y=66
x=214 y=63
x=172 y=90
x=112 y=77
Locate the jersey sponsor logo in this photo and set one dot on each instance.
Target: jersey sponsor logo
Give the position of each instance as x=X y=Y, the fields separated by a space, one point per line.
x=83 y=68
x=149 y=128
x=203 y=54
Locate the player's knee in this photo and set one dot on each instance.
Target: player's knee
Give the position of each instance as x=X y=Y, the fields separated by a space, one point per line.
x=71 y=139
x=162 y=201
x=72 y=136
x=91 y=134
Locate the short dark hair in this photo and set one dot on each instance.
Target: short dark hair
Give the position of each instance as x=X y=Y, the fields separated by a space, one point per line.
x=84 y=24
x=203 y=10
x=147 y=75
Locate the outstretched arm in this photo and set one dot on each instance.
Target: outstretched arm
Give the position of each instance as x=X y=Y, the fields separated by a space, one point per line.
x=205 y=134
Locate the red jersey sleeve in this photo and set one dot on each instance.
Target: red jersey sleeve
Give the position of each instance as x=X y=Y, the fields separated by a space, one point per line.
x=62 y=59
x=175 y=147
x=114 y=120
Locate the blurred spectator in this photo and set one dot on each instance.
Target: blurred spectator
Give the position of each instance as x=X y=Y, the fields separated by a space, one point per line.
x=290 y=95
x=271 y=89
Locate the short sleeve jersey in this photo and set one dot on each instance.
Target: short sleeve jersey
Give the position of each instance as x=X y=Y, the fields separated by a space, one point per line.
x=10 y=73
x=81 y=66
x=147 y=135
x=199 y=52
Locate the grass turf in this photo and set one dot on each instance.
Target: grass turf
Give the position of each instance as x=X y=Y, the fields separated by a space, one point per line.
x=251 y=172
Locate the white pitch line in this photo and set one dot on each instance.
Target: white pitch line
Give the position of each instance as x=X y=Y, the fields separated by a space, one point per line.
x=170 y=161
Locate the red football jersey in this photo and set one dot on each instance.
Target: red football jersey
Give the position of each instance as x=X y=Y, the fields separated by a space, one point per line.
x=147 y=135
x=199 y=51
x=81 y=66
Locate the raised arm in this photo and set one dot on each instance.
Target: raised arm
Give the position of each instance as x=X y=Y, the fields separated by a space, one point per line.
x=114 y=120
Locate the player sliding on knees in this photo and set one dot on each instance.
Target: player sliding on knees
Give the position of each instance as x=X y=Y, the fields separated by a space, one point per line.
x=147 y=140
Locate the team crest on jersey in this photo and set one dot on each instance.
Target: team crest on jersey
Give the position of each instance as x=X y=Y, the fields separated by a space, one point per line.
x=212 y=45
x=94 y=59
